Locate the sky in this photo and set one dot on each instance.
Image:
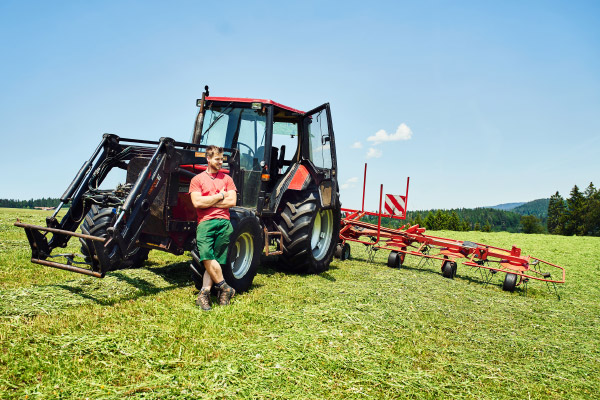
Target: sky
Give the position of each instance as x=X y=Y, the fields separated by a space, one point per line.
x=480 y=103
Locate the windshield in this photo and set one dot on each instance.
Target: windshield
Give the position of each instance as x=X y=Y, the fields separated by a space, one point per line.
x=232 y=127
x=243 y=129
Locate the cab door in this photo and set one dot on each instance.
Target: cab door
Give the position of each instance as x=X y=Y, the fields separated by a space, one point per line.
x=318 y=146
x=319 y=142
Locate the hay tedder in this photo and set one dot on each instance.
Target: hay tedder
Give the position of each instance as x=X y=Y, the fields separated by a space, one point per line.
x=412 y=240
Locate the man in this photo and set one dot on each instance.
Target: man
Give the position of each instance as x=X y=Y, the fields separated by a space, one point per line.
x=213 y=193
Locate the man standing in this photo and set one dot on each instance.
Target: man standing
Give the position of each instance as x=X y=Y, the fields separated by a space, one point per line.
x=213 y=193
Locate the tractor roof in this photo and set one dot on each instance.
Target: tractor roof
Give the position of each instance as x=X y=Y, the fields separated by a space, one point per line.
x=244 y=100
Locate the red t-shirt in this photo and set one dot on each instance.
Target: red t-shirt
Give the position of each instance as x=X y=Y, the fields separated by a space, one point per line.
x=209 y=184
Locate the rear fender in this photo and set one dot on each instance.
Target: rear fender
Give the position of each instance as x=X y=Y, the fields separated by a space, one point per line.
x=301 y=177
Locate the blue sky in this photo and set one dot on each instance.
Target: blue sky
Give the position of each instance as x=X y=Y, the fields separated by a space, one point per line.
x=490 y=102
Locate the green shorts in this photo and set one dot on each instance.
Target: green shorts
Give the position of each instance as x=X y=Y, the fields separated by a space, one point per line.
x=212 y=239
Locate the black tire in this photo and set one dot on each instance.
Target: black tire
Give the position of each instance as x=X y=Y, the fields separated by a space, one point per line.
x=96 y=223
x=342 y=251
x=338 y=251
x=510 y=282
x=309 y=233
x=345 y=252
x=196 y=268
x=449 y=269
x=395 y=259
x=245 y=248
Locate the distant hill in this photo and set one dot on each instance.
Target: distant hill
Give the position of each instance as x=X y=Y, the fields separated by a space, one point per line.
x=503 y=217
x=506 y=206
x=538 y=208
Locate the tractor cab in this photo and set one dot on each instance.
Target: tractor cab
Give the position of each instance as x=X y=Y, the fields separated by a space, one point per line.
x=272 y=141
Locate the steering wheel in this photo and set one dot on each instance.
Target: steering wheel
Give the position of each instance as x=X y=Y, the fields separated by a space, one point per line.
x=249 y=148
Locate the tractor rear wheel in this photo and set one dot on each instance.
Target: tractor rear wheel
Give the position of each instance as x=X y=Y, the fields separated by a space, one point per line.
x=96 y=223
x=309 y=233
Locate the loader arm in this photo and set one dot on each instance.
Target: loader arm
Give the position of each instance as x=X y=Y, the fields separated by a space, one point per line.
x=130 y=214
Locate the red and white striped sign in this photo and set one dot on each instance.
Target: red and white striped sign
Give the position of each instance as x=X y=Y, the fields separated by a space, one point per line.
x=395 y=205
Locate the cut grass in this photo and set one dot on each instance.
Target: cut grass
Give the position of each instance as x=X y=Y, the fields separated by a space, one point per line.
x=359 y=330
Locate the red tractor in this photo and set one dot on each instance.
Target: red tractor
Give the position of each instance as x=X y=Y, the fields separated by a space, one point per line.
x=282 y=160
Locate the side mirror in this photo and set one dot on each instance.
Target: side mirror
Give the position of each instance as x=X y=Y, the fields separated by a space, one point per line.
x=325 y=139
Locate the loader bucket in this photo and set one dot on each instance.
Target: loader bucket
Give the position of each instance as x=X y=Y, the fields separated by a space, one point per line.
x=40 y=250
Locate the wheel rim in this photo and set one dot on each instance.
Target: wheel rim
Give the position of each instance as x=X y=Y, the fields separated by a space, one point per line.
x=321 y=234
x=244 y=253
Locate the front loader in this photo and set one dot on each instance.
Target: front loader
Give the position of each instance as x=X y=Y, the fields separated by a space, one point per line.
x=282 y=161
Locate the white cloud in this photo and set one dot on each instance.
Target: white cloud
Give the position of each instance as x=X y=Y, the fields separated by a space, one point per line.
x=349 y=183
x=402 y=133
x=357 y=145
x=374 y=153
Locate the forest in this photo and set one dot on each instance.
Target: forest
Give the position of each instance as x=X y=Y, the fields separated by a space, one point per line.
x=44 y=202
x=579 y=214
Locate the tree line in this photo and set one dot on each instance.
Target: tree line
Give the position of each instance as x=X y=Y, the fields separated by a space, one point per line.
x=463 y=219
x=44 y=202
x=577 y=215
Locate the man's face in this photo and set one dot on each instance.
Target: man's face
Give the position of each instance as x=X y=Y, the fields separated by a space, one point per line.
x=215 y=162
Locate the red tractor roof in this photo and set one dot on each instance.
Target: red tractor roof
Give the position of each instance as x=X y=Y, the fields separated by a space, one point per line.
x=243 y=100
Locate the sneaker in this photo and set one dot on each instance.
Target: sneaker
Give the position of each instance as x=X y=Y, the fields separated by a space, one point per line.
x=225 y=294
x=203 y=299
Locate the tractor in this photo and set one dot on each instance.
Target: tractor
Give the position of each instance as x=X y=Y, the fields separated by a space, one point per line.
x=282 y=161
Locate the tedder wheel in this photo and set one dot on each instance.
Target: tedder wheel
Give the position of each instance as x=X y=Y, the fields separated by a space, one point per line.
x=395 y=259
x=345 y=252
x=510 y=282
x=338 y=251
x=342 y=251
x=309 y=233
x=96 y=223
x=449 y=269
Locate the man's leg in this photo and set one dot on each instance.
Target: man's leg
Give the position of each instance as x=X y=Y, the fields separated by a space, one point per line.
x=226 y=292
x=215 y=274
x=205 y=240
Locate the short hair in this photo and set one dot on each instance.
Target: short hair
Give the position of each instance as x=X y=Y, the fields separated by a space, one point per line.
x=212 y=150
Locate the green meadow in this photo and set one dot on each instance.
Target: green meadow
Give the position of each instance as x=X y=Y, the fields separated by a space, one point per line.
x=360 y=330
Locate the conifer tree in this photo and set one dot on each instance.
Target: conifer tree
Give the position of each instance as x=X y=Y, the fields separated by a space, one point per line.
x=556 y=214
x=575 y=212
x=591 y=217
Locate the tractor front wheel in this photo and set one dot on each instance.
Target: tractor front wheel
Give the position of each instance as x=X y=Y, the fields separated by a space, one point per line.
x=243 y=254
x=243 y=257
x=96 y=223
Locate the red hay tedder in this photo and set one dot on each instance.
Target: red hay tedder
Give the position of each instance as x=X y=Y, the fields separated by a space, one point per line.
x=412 y=240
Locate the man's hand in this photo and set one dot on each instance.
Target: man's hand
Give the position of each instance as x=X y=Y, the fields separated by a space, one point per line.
x=223 y=199
x=228 y=200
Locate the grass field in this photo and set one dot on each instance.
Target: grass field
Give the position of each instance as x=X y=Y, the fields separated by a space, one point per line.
x=360 y=330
